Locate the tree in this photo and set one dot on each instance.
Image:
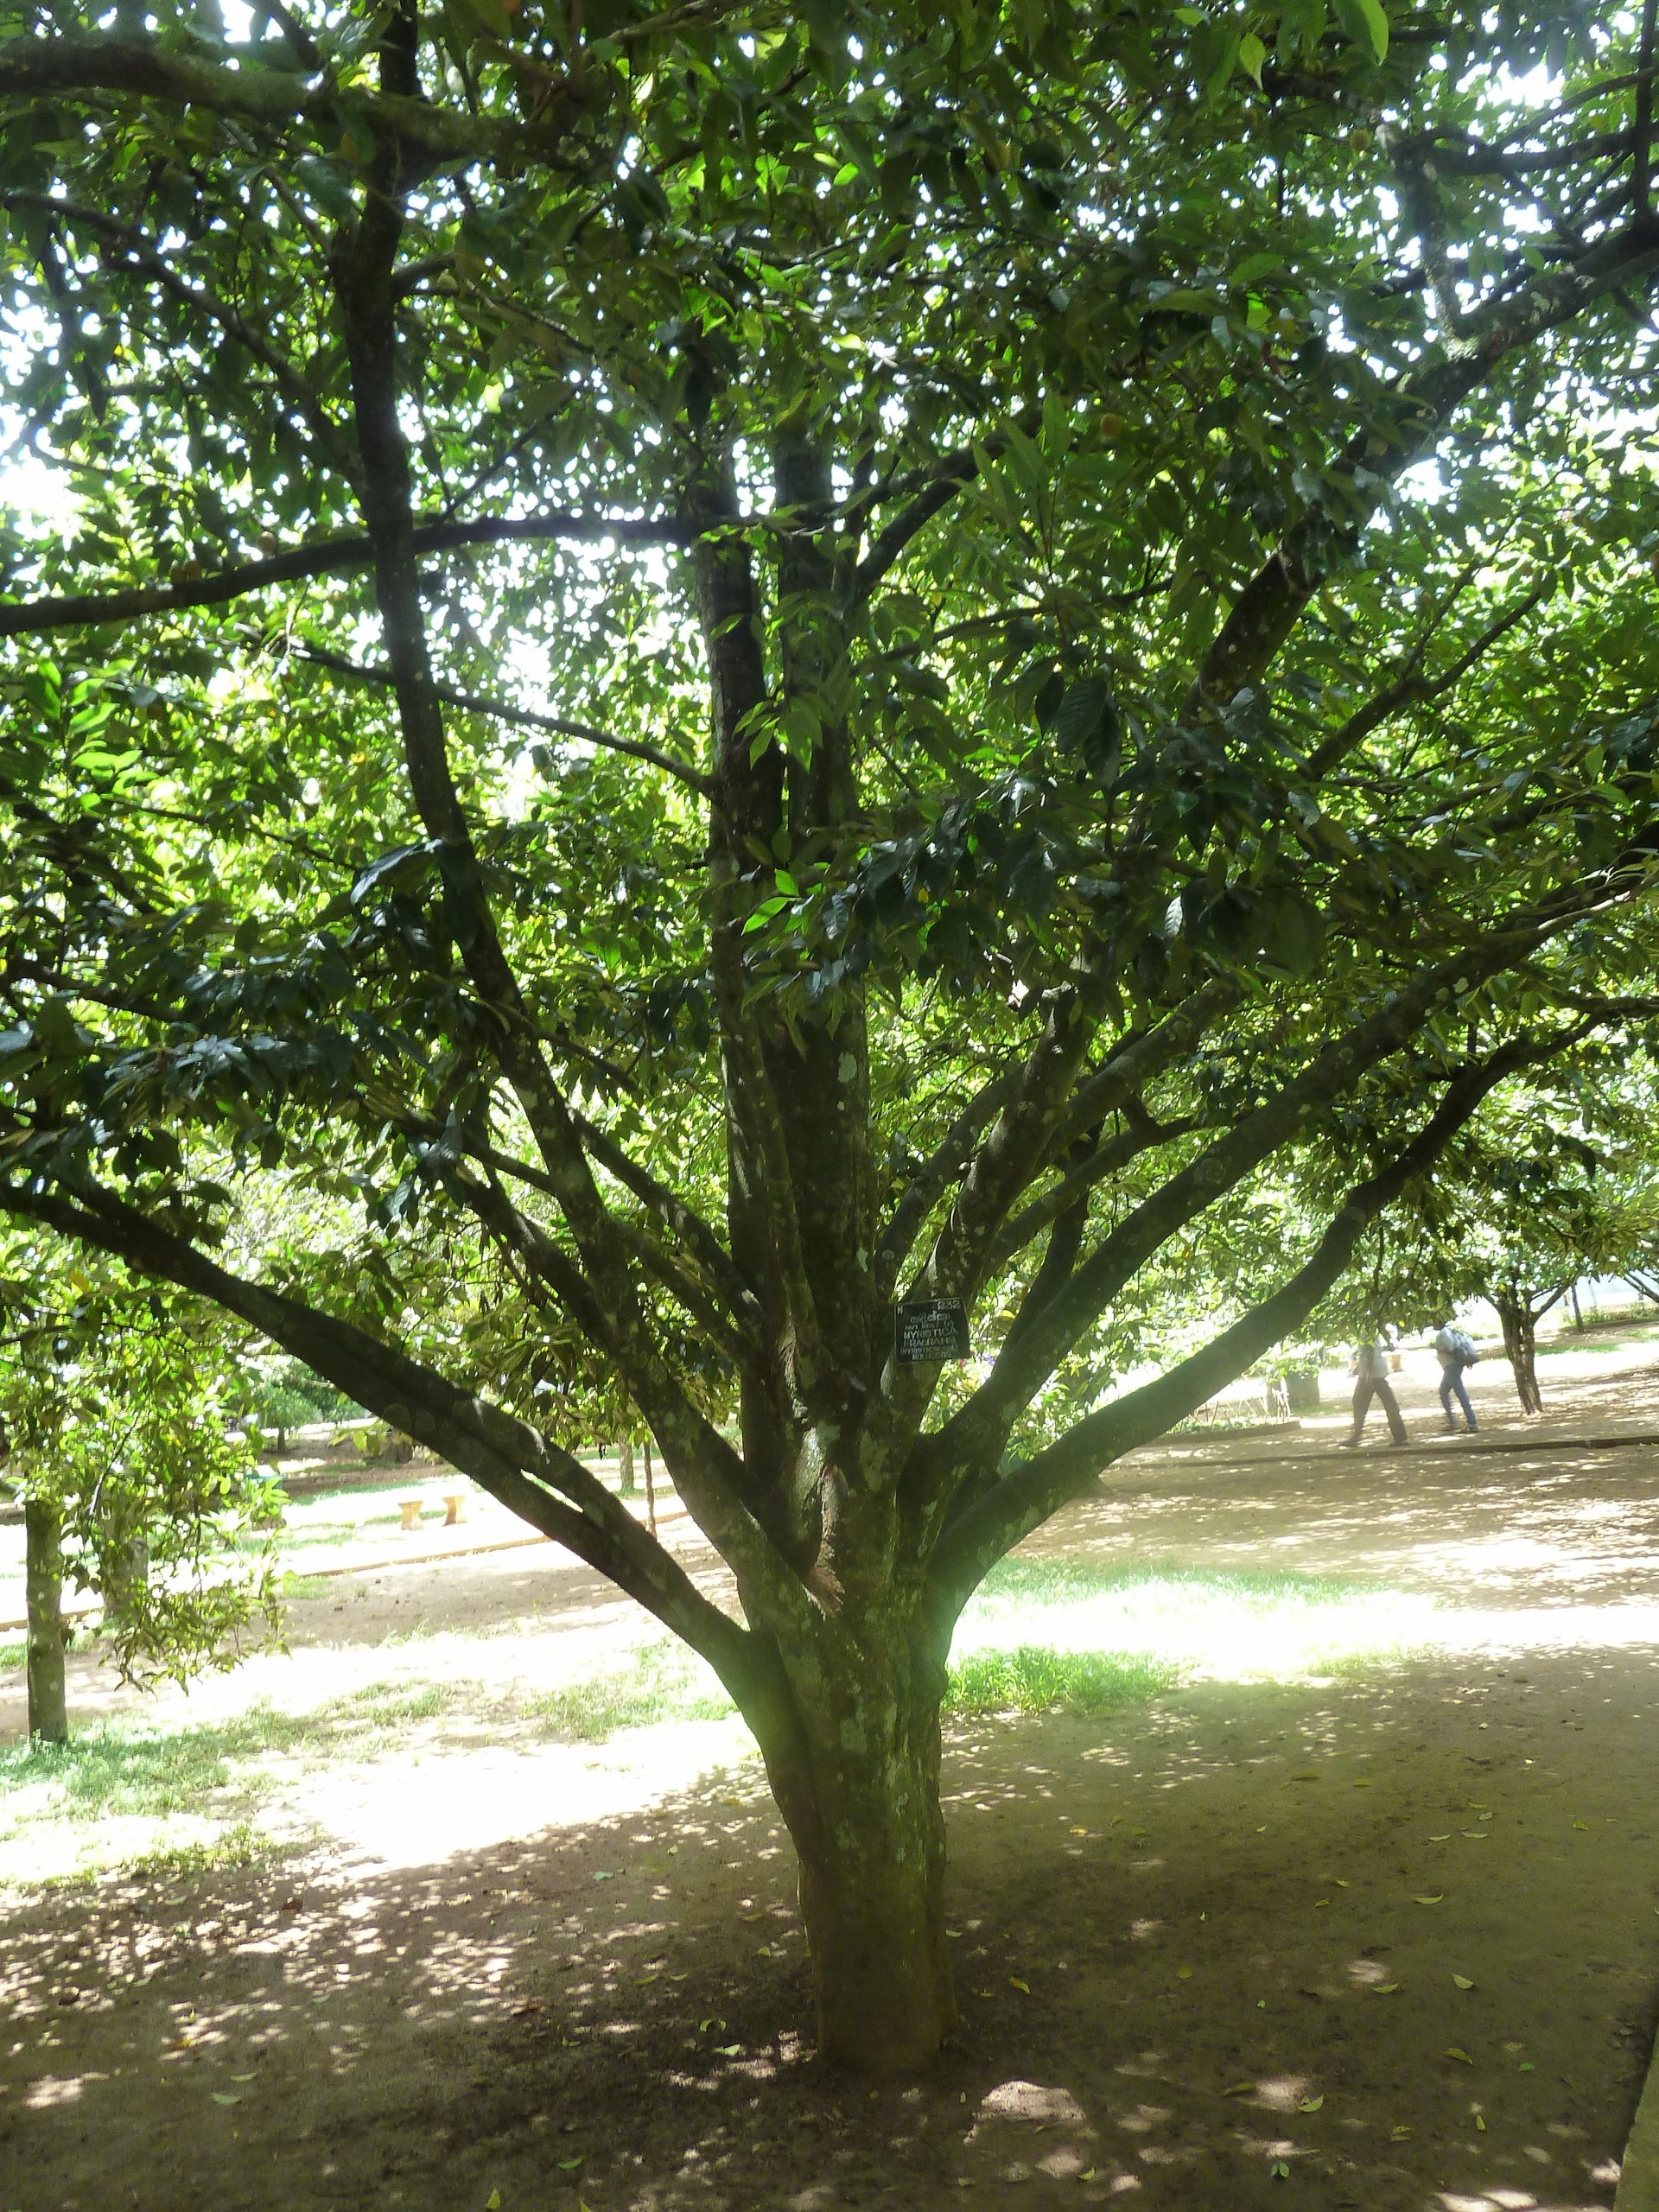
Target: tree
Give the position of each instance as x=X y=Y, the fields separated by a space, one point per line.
x=114 y=1401
x=1548 y=1181
x=988 y=621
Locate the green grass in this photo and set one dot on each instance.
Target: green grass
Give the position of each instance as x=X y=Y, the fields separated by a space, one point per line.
x=1030 y=1679
x=294 y=1588
x=1042 y=1634
x=660 y=1682
x=239 y=1844
x=13 y=1655
x=120 y=1768
x=1179 y=1621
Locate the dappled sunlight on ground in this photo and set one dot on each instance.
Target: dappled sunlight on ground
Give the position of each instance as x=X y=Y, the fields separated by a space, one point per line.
x=420 y=1809
x=1190 y=1948
x=1369 y=1896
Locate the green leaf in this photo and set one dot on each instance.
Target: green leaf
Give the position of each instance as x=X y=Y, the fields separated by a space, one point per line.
x=1365 y=25
x=1251 y=55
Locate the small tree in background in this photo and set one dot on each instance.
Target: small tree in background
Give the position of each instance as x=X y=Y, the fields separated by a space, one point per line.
x=114 y=1403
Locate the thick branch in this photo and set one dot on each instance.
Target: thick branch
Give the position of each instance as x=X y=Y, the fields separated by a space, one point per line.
x=977 y=1432
x=429 y=139
x=1268 y=607
x=1024 y=1498
x=333 y=556
x=510 y=1459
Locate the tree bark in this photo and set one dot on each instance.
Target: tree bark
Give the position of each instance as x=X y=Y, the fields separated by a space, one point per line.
x=1520 y=1344
x=48 y=1714
x=625 y=1466
x=859 y=1788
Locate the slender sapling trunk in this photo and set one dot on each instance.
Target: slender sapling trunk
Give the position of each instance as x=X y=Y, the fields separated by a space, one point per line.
x=48 y=1716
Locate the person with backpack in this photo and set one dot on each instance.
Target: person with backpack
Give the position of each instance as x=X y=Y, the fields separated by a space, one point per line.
x=1456 y=1350
x=1371 y=1381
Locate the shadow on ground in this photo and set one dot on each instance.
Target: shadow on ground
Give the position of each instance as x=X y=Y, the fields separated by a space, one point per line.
x=1196 y=1943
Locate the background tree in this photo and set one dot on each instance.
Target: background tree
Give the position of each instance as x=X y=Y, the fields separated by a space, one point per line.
x=115 y=1400
x=745 y=661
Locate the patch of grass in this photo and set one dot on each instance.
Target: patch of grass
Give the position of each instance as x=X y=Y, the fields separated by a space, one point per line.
x=1031 y=1679
x=116 y=1769
x=1065 y=1581
x=657 y=1683
x=296 y=1588
x=384 y=1703
x=1231 y=1625
x=239 y=1844
x=13 y=1655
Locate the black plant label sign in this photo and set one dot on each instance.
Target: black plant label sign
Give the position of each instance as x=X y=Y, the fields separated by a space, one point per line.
x=929 y=1330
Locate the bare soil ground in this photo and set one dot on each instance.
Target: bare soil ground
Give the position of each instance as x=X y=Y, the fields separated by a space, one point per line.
x=1387 y=1940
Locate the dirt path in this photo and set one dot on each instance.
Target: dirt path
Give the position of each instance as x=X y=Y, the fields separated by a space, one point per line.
x=1197 y=1940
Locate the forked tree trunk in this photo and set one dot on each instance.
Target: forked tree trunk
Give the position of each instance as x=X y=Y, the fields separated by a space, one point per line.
x=48 y=1714
x=1520 y=1344
x=863 y=1809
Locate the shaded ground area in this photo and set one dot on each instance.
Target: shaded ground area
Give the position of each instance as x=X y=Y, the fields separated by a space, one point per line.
x=1200 y=1940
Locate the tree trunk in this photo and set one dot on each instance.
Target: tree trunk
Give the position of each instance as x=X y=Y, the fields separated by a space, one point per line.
x=1520 y=1344
x=650 y=1492
x=625 y=1466
x=48 y=1714
x=862 y=1804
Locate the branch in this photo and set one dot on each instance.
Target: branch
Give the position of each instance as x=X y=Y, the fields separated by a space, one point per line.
x=1643 y=120
x=685 y=1222
x=707 y=1472
x=1051 y=1104
x=950 y=1156
x=506 y=1456
x=1079 y=1179
x=144 y=254
x=977 y=1430
x=1412 y=690
x=1268 y=607
x=1025 y=1497
x=331 y=556
x=428 y=138
x=473 y=703
x=937 y=487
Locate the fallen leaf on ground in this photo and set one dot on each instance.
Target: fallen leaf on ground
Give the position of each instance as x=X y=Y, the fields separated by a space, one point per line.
x=1024 y=1987
x=1310 y=2104
x=1384 y=1988
x=1437 y=1898
x=1398 y=2134
x=1462 y=2056
x=1446 y=1838
x=227 y=2097
x=1461 y=1981
x=1239 y=2090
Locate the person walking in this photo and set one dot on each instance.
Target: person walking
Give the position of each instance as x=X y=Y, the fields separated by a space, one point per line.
x=1455 y=1349
x=1371 y=1381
